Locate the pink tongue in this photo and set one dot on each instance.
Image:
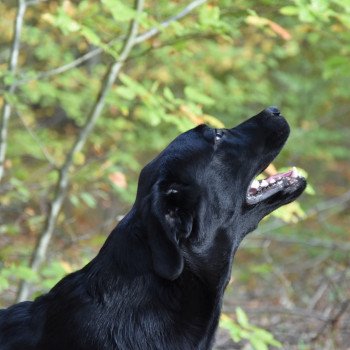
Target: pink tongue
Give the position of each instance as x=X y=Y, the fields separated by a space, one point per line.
x=276 y=176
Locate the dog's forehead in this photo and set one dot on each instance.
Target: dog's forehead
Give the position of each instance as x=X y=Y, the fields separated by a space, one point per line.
x=200 y=136
x=191 y=148
x=190 y=145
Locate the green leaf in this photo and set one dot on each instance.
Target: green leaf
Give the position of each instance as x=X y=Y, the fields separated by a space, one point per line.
x=3 y=282
x=52 y=273
x=168 y=94
x=310 y=189
x=290 y=213
x=91 y=36
x=10 y=229
x=289 y=10
x=126 y=93
x=258 y=344
x=20 y=187
x=119 y=11
x=242 y=318
x=265 y=336
x=62 y=21
x=196 y=96
x=9 y=78
x=12 y=99
x=74 y=200
x=88 y=199
x=209 y=15
x=21 y=272
x=134 y=86
x=234 y=329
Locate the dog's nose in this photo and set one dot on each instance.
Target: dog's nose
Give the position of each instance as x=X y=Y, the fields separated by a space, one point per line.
x=273 y=110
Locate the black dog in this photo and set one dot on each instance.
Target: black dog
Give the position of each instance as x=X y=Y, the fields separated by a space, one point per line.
x=159 y=280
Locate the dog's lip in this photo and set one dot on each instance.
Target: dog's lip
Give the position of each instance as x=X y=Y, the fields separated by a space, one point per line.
x=260 y=190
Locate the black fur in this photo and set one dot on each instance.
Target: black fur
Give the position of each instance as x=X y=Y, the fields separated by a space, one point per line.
x=159 y=280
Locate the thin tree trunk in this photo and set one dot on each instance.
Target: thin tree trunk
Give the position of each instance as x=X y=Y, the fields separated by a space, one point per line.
x=6 y=109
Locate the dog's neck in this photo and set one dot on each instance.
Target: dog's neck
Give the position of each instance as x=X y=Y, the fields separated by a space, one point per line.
x=194 y=295
x=210 y=263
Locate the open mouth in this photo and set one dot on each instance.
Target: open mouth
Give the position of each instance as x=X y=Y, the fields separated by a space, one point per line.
x=259 y=190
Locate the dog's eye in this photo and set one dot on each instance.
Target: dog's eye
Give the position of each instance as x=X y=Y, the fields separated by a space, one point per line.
x=171 y=191
x=218 y=134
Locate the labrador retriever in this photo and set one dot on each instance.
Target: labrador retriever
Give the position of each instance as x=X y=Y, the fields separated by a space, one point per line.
x=159 y=279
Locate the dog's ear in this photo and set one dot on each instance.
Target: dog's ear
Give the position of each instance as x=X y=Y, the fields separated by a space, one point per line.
x=171 y=222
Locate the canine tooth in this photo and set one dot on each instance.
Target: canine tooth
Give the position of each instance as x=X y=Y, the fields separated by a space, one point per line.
x=271 y=181
x=295 y=173
x=255 y=184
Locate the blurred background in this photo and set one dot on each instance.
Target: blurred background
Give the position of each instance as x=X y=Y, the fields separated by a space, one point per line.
x=91 y=90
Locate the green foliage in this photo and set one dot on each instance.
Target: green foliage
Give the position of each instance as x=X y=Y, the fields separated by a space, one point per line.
x=53 y=272
x=258 y=338
x=13 y=273
x=119 y=10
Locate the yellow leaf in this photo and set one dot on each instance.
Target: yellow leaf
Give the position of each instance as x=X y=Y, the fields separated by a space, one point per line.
x=48 y=18
x=213 y=121
x=67 y=267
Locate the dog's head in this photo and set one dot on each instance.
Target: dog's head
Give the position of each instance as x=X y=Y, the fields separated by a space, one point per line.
x=201 y=190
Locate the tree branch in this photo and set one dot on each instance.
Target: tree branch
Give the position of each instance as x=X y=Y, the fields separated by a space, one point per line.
x=13 y=60
x=139 y=39
x=155 y=31
x=39 y=253
x=332 y=321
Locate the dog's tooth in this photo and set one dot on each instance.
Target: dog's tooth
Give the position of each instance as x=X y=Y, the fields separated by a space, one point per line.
x=255 y=184
x=295 y=172
x=264 y=183
x=271 y=181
